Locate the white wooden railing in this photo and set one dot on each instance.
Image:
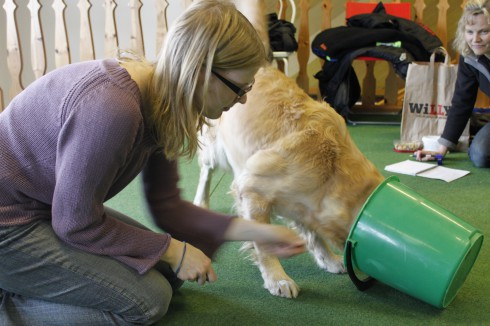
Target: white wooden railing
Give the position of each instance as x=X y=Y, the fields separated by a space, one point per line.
x=40 y=35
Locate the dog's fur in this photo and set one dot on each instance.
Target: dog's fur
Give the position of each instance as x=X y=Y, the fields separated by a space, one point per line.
x=291 y=156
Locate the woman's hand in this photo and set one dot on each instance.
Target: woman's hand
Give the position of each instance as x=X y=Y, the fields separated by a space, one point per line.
x=280 y=241
x=422 y=155
x=274 y=239
x=192 y=265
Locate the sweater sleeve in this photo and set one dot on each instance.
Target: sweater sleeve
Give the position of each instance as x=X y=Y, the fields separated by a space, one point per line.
x=98 y=132
x=464 y=98
x=183 y=220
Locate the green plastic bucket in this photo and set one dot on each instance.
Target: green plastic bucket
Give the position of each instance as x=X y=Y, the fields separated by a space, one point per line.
x=411 y=244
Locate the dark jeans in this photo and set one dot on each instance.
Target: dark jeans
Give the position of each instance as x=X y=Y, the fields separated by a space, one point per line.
x=43 y=281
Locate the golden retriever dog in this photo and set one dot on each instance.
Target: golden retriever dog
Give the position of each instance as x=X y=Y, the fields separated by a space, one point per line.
x=291 y=157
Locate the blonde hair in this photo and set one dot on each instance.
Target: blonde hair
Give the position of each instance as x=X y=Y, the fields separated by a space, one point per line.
x=471 y=9
x=209 y=34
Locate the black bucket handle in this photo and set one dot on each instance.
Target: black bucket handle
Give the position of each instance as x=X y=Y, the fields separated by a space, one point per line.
x=361 y=285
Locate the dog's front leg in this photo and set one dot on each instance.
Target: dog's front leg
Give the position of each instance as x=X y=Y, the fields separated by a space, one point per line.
x=275 y=278
x=320 y=249
x=254 y=207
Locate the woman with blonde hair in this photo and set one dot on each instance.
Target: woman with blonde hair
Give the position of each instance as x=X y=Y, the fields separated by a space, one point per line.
x=80 y=134
x=473 y=43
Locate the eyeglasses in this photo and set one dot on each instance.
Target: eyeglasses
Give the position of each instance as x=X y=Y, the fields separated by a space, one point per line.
x=240 y=92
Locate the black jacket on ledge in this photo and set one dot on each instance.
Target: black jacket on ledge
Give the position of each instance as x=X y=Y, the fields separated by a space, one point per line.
x=397 y=40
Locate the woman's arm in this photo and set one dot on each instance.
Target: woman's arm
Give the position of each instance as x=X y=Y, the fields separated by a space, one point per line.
x=200 y=227
x=275 y=239
x=463 y=102
x=191 y=264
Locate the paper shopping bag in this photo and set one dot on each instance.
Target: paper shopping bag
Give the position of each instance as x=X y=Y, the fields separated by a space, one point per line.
x=429 y=88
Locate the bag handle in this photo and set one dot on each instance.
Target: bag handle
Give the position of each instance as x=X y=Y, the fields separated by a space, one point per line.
x=432 y=71
x=361 y=285
x=443 y=51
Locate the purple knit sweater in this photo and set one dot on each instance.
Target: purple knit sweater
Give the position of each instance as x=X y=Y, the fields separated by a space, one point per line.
x=75 y=138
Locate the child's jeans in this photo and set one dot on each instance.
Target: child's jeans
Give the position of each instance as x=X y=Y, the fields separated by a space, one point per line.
x=479 y=151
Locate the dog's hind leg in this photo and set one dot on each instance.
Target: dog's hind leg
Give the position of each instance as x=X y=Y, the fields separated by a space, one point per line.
x=207 y=155
x=202 y=192
x=253 y=206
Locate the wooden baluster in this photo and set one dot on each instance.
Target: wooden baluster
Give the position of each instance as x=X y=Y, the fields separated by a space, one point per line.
x=38 y=52
x=162 y=22
x=137 y=43
x=326 y=20
x=419 y=6
x=325 y=24
x=14 y=53
x=303 y=45
x=392 y=82
x=441 y=30
x=283 y=8
x=86 y=40
x=61 y=48
x=111 y=42
x=326 y=14
x=368 y=94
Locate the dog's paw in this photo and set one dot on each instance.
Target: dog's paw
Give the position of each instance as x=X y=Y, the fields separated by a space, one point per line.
x=335 y=265
x=285 y=288
x=331 y=263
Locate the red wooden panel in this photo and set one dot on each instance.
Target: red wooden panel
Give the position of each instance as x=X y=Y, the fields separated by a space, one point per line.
x=401 y=9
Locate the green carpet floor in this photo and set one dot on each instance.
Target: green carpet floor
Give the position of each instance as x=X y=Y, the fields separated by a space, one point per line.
x=237 y=298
